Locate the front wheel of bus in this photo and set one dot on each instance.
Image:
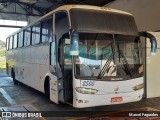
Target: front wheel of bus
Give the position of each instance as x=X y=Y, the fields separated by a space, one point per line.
x=47 y=87
x=13 y=77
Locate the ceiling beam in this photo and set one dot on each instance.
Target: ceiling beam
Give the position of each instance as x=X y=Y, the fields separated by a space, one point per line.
x=11 y=26
x=27 y=14
x=23 y=8
x=38 y=9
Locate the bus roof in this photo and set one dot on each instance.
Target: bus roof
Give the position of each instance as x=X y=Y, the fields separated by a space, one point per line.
x=89 y=7
x=69 y=7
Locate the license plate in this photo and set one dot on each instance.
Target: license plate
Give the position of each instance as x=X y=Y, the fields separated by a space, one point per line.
x=116 y=99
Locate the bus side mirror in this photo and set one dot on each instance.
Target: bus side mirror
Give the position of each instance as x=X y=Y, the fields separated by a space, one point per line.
x=153 y=41
x=74 y=47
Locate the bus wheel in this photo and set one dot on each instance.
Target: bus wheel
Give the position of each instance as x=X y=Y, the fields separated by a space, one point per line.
x=13 y=77
x=47 y=87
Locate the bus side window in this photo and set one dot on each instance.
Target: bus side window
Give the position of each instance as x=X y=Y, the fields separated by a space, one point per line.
x=7 y=44
x=11 y=43
x=67 y=56
x=27 y=36
x=53 y=56
x=15 y=41
x=36 y=29
x=20 y=40
x=47 y=30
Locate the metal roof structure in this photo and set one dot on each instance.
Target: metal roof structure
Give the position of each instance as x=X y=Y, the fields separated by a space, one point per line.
x=23 y=10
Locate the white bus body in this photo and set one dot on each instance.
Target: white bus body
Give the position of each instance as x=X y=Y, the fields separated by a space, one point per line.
x=109 y=93
x=38 y=56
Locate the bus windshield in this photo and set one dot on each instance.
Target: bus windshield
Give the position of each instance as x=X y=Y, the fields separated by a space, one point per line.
x=108 y=55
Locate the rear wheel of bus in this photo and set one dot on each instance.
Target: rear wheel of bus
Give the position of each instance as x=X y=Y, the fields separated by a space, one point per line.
x=47 y=87
x=13 y=77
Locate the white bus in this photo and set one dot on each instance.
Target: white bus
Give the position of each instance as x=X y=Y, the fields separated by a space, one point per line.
x=81 y=55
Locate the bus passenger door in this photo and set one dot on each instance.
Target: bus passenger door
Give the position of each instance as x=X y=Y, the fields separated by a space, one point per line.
x=67 y=71
x=53 y=80
x=64 y=71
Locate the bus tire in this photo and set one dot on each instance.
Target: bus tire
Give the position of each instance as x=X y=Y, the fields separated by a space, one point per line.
x=13 y=77
x=47 y=87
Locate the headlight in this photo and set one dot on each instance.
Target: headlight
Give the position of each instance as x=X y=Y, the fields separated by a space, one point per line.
x=86 y=90
x=138 y=87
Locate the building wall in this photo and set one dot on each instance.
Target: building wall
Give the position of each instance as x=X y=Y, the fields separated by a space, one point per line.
x=153 y=70
x=146 y=12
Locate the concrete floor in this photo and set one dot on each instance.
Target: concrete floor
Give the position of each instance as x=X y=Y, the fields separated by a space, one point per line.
x=18 y=96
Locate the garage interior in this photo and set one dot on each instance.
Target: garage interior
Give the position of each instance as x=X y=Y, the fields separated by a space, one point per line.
x=146 y=14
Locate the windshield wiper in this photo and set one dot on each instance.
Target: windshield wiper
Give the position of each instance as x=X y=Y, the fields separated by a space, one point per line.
x=119 y=56
x=105 y=67
x=95 y=39
x=125 y=63
x=124 y=60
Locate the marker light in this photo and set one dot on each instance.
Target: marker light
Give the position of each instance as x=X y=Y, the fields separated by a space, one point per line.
x=138 y=87
x=86 y=90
